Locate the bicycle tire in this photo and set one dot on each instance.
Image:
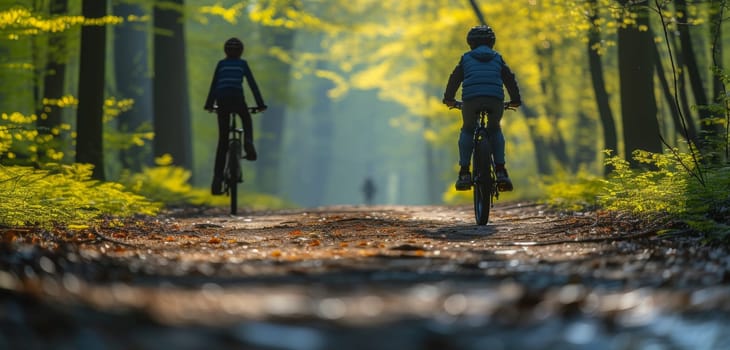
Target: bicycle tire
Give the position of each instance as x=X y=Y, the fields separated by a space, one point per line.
x=483 y=181
x=234 y=173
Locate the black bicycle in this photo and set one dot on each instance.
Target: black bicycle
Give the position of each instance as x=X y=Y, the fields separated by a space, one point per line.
x=232 y=174
x=484 y=180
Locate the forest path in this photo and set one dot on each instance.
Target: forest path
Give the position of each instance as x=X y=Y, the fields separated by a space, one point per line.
x=386 y=277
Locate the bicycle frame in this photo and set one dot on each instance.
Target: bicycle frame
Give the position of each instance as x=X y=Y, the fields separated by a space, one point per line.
x=484 y=179
x=232 y=170
x=232 y=174
x=484 y=182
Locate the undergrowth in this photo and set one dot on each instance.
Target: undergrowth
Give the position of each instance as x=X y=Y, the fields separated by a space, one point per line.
x=665 y=185
x=170 y=184
x=34 y=192
x=63 y=194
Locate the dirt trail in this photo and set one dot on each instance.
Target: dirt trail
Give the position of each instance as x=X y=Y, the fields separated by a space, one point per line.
x=393 y=277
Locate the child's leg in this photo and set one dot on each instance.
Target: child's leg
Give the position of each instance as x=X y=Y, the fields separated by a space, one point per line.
x=247 y=133
x=247 y=123
x=222 y=148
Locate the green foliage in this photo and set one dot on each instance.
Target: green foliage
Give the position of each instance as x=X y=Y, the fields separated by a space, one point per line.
x=660 y=187
x=164 y=183
x=665 y=186
x=169 y=184
x=573 y=192
x=63 y=194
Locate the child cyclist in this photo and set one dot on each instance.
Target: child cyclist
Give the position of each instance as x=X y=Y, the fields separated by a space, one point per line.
x=481 y=73
x=226 y=91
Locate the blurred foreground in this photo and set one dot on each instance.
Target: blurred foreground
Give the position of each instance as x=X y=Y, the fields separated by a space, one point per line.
x=365 y=278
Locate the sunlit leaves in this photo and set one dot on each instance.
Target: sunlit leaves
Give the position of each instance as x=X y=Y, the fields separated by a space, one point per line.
x=20 y=21
x=63 y=194
x=113 y=108
x=230 y=15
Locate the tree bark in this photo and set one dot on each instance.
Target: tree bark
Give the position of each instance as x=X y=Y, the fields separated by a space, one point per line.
x=683 y=126
x=323 y=135
x=636 y=75
x=270 y=139
x=610 y=137
x=709 y=130
x=542 y=156
x=53 y=84
x=171 y=98
x=133 y=80
x=89 y=140
x=718 y=87
x=555 y=141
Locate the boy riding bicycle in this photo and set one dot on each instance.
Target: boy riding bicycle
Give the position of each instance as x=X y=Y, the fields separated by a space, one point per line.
x=226 y=91
x=481 y=73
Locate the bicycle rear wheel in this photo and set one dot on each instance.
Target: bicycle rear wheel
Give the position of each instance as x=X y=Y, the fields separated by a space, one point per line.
x=233 y=173
x=483 y=181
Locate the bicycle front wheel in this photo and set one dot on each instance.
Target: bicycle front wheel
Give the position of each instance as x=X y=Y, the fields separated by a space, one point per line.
x=483 y=181
x=233 y=173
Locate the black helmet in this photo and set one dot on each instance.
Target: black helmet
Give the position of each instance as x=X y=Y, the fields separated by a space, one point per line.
x=481 y=35
x=233 y=47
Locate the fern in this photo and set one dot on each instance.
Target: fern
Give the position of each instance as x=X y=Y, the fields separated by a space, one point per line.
x=664 y=186
x=63 y=194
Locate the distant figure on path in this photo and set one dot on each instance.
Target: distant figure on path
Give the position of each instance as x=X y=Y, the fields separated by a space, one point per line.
x=368 y=190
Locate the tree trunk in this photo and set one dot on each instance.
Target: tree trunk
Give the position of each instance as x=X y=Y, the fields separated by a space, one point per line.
x=53 y=84
x=718 y=87
x=270 y=139
x=548 y=82
x=636 y=75
x=171 y=102
x=690 y=60
x=542 y=155
x=323 y=134
x=610 y=138
x=683 y=123
x=132 y=75
x=433 y=184
x=89 y=140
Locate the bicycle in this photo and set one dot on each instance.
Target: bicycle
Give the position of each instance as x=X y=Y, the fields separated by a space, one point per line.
x=232 y=174
x=484 y=179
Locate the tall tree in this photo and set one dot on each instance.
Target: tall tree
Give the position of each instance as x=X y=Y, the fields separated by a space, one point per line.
x=717 y=11
x=323 y=137
x=272 y=123
x=133 y=77
x=550 y=89
x=610 y=137
x=54 y=81
x=89 y=140
x=636 y=75
x=690 y=61
x=172 y=110
x=682 y=121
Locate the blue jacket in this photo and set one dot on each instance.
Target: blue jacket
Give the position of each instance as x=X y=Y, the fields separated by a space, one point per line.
x=482 y=72
x=228 y=82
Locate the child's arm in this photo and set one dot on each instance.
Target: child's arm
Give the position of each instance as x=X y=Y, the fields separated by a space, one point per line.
x=508 y=78
x=455 y=79
x=254 y=88
x=210 y=100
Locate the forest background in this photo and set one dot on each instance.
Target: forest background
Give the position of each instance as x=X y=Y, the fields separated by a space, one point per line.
x=354 y=90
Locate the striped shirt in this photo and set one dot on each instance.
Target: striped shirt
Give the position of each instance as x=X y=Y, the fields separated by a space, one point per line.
x=228 y=81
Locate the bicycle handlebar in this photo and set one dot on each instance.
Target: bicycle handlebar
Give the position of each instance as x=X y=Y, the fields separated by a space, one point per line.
x=252 y=110
x=507 y=105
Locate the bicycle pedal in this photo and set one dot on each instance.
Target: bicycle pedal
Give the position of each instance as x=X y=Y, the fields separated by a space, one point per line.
x=463 y=188
x=505 y=187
